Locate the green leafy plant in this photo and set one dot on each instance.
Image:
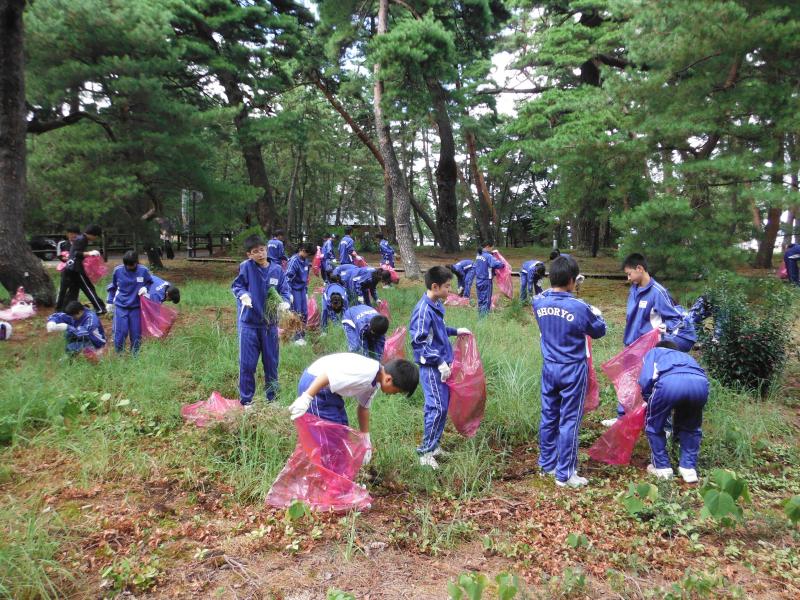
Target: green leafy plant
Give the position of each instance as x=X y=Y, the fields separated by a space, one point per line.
x=720 y=495
x=469 y=586
x=792 y=509
x=334 y=594
x=639 y=498
x=297 y=510
x=577 y=540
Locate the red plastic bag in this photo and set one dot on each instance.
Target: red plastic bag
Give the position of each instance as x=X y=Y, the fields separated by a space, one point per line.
x=623 y=370
x=92 y=355
x=467 y=385
x=22 y=307
x=321 y=470
x=782 y=272
x=317 y=262
x=592 y=388
x=456 y=300
x=395 y=346
x=382 y=306
x=503 y=277
x=616 y=445
x=314 y=318
x=208 y=412
x=395 y=277
x=495 y=298
x=157 y=319
x=359 y=261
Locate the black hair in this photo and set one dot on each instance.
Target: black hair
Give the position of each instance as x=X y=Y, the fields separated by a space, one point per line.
x=635 y=260
x=379 y=235
x=381 y=275
x=72 y=229
x=93 y=230
x=667 y=344
x=277 y=233
x=348 y=230
x=253 y=241
x=335 y=295
x=173 y=294
x=485 y=243
x=130 y=258
x=405 y=374
x=555 y=254
x=539 y=270
x=438 y=275
x=74 y=308
x=378 y=325
x=563 y=270
x=334 y=278
x=326 y=235
x=309 y=248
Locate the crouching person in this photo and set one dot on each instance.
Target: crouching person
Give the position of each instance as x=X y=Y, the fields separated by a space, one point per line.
x=82 y=328
x=672 y=380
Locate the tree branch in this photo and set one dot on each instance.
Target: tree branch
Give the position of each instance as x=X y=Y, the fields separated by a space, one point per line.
x=35 y=126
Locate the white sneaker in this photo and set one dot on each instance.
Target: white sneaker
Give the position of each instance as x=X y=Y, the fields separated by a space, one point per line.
x=660 y=473
x=689 y=475
x=248 y=407
x=608 y=422
x=574 y=482
x=300 y=342
x=427 y=460
x=440 y=452
x=543 y=473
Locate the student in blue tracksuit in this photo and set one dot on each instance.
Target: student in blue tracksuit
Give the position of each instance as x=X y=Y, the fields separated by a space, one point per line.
x=81 y=326
x=160 y=291
x=465 y=273
x=297 y=273
x=324 y=383
x=275 y=250
x=343 y=274
x=364 y=284
x=434 y=355
x=347 y=248
x=530 y=274
x=485 y=265
x=685 y=335
x=387 y=252
x=564 y=322
x=672 y=380
x=791 y=258
x=326 y=264
x=334 y=303
x=365 y=330
x=129 y=281
x=258 y=332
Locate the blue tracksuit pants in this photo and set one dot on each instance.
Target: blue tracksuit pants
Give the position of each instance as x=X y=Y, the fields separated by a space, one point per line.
x=468 y=279
x=437 y=400
x=326 y=405
x=127 y=321
x=563 y=395
x=300 y=306
x=686 y=395
x=484 y=288
x=255 y=342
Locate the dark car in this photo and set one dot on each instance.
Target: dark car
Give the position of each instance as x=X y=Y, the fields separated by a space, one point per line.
x=45 y=246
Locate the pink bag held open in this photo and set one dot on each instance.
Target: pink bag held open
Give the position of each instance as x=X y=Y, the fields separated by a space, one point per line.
x=467 y=385
x=592 y=387
x=321 y=470
x=395 y=346
x=359 y=261
x=157 y=319
x=314 y=318
x=382 y=306
x=623 y=370
x=503 y=277
x=616 y=445
x=208 y=412
x=456 y=300
x=317 y=262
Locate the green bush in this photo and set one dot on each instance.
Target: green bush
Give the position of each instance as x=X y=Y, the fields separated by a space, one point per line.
x=237 y=243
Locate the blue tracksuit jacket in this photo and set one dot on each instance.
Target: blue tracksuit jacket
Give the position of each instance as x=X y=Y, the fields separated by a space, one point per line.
x=465 y=273
x=345 y=273
x=528 y=281
x=275 y=252
x=157 y=291
x=387 y=253
x=485 y=264
x=791 y=258
x=564 y=322
x=685 y=335
x=84 y=332
x=429 y=339
x=297 y=273
x=346 y=248
x=647 y=307
x=327 y=311
x=327 y=256
x=673 y=381
x=361 y=285
x=355 y=323
x=123 y=293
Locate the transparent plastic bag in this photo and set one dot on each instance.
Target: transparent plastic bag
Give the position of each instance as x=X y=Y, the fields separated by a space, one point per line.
x=317 y=262
x=503 y=277
x=22 y=307
x=467 y=385
x=592 y=387
x=616 y=445
x=395 y=346
x=456 y=300
x=382 y=306
x=157 y=319
x=321 y=470
x=314 y=317
x=208 y=412
x=623 y=370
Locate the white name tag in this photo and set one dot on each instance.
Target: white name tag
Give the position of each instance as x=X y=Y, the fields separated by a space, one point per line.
x=273 y=281
x=140 y=279
x=642 y=303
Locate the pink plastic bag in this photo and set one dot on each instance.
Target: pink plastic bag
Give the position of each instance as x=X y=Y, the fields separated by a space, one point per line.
x=208 y=412
x=592 y=388
x=467 y=385
x=395 y=346
x=317 y=262
x=157 y=319
x=94 y=266
x=382 y=306
x=503 y=277
x=314 y=318
x=22 y=307
x=616 y=445
x=395 y=277
x=321 y=470
x=92 y=355
x=456 y=300
x=623 y=370
x=495 y=298
x=782 y=272
x=359 y=261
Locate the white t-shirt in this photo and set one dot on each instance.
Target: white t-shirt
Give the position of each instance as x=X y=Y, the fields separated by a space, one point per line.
x=349 y=375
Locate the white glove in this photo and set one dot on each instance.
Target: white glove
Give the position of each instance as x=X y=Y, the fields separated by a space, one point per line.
x=246 y=300
x=142 y=291
x=93 y=253
x=463 y=331
x=445 y=370
x=662 y=327
x=110 y=308
x=595 y=311
x=51 y=327
x=460 y=291
x=579 y=279
x=368 y=455
x=283 y=307
x=300 y=406
x=361 y=299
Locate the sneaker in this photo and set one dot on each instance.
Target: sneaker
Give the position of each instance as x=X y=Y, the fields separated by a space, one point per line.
x=543 y=473
x=427 y=460
x=668 y=433
x=608 y=422
x=440 y=452
x=300 y=342
x=248 y=407
x=574 y=482
x=689 y=475
x=660 y=473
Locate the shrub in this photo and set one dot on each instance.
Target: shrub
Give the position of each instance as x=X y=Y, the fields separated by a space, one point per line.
x=237 y=243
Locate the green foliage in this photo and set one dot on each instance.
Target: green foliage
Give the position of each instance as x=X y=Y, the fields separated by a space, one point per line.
x=468 y=586
x=298 y=510
x=639 y=497
x=701 y=585
x=792 y=509
x=334 y=594
x=664 y=509
x=128 y=574
x=577 y=540
x=237 y=243
x=720 y=495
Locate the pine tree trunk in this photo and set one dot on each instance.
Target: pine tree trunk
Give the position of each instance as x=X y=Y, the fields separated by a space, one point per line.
x=766 y=246
x=18 y=265
x=487 y=211
x=400 y=197
x=291 y=213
